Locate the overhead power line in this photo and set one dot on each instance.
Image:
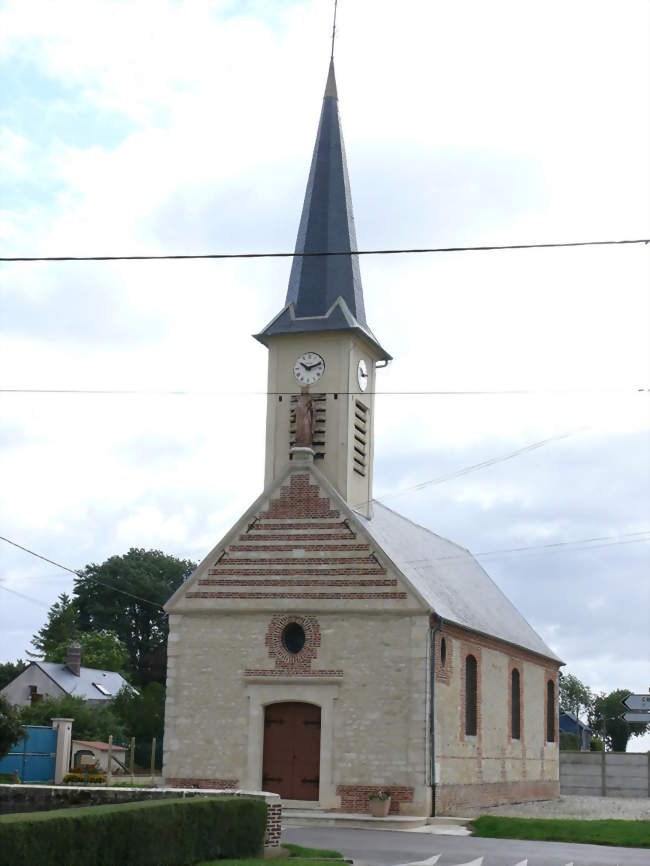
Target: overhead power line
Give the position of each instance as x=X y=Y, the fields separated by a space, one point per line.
x=587 y=544
x=379 y=252
x=484 y=464
x=162 y=392
x=78 y=573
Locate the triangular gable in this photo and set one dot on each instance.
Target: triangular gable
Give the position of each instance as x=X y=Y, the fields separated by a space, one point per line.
x=298 y=547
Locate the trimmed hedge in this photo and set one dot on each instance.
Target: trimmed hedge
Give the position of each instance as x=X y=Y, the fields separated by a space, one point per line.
x=175 y=832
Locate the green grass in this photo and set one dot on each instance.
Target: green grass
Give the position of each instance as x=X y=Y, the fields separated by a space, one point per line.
x=299 y=856
x=628 y=834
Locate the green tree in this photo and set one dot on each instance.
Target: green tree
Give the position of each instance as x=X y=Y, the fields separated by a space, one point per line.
x=574 y=695
x=10 y=670
x=61 y=627
x=99 y=649
x=10 y=726
x=149 y=577
x=92 y=721
x=606 y=718
x=141 y=714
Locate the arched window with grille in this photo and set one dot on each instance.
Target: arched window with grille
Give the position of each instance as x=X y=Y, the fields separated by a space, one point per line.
x=515 y=705
x=550 y=711
x=470 y=696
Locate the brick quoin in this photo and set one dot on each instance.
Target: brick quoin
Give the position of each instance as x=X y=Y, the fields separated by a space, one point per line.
x=354 y=798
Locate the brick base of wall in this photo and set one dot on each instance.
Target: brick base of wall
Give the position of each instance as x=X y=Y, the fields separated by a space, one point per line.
x=354 y=798
x=273 y=825
x=218 y=784
x=452 y=799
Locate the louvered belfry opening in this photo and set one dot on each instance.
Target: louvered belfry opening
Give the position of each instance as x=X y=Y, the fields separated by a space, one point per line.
x=360 y=440
x=320 y=424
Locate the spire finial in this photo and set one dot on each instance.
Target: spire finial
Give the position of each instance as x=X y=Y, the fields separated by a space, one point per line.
x=333 y=30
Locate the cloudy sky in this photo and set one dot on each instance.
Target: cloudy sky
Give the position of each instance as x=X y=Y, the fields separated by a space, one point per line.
x=167 y=127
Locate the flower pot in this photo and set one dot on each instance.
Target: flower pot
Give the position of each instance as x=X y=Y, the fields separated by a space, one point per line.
x=379 y=808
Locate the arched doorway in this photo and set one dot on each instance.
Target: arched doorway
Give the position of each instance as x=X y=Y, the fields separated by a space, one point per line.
x=291 y=762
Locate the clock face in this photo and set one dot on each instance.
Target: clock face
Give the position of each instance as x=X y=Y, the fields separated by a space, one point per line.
x=362 y=375
x=309 y=368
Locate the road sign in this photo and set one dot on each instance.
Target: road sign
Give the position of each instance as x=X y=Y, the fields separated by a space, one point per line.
x=637 y=702
x=643 y=718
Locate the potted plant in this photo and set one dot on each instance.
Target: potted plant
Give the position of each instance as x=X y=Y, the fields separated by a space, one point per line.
x=379 y=803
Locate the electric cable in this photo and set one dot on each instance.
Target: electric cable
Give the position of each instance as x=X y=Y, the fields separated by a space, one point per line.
x=153 y=392
x=79 y=574
x=295 y=254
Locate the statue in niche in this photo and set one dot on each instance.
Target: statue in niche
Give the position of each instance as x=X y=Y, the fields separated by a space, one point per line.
x=304 y=420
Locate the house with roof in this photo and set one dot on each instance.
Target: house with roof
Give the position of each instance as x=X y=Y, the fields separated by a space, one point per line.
x=327 y=647
x=54 y=680
x=570 y=724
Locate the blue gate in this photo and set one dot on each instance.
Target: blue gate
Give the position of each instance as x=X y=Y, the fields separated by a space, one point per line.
x=34 y=757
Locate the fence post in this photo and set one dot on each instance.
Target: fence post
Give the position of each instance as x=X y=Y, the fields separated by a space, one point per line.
x=603 y=774
x=132 y=762
x=153 y=756
x=109 y=775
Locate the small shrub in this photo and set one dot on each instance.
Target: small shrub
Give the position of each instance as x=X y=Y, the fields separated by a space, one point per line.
x=152 y=833
x=80 y=779
x=596 y=745
x=569 y=742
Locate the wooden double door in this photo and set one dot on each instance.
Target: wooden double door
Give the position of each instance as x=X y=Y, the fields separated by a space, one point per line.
x=291 y=763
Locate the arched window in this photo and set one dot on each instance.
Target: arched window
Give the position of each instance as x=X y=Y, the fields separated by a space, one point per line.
x=443 y=651
x=515 y=705
x=550 y=712
x=470 y=696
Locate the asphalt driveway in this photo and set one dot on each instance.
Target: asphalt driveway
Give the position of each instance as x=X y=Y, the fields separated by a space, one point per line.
x=390 y=848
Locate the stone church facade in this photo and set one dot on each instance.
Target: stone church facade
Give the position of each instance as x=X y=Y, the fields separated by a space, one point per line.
x=328 y=647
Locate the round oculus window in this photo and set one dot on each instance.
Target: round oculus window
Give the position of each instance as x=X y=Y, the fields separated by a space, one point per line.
x=293 y=638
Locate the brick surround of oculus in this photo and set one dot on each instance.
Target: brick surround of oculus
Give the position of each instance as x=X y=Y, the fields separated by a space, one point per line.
x=328 y=647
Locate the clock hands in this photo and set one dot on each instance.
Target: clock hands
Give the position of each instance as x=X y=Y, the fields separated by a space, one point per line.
x=310 y=366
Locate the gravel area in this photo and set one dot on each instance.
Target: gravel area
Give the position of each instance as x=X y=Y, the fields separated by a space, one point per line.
x=572 y=806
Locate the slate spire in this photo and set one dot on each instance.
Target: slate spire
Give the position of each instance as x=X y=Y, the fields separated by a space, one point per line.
x=325 y=292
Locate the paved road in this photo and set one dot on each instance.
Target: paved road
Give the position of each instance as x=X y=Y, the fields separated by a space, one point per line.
x=388 y=848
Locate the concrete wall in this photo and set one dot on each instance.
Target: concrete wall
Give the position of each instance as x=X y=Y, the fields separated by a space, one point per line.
x=373 y=699
x=492 y=767
x=605 y=774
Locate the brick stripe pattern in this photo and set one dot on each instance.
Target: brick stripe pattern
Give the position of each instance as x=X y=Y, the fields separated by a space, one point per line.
x=354 y=798
x=298 y=547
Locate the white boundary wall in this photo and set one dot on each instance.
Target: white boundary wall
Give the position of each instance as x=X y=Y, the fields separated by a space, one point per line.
x=605 y=774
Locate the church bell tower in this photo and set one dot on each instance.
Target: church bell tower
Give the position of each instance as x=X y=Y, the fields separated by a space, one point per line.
x=323 y=357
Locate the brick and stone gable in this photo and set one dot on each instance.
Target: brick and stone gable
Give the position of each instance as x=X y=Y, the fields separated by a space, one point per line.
x=300 y=547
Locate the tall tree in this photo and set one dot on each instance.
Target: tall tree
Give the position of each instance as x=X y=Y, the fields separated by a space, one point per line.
x=148 y=577
x=606 y=717
x=92 y=721
x=61 y=627
x=10 y=670
x=10 y=726
x=99 y=649
x=574 y=695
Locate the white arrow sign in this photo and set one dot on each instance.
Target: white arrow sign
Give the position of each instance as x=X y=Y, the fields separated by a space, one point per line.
x=637 y=702
x=644 y=718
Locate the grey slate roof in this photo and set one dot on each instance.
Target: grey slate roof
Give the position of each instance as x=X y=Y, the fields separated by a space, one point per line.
x=318 y=284
x=450 y=580
x=84 y=686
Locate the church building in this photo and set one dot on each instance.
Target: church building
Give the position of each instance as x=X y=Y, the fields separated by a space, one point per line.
x=327 y=647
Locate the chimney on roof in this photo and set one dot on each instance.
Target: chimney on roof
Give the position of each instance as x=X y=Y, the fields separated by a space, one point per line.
x=73 y=658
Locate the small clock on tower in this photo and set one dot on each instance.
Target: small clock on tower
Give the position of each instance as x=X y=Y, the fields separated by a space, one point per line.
x=309 y=368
